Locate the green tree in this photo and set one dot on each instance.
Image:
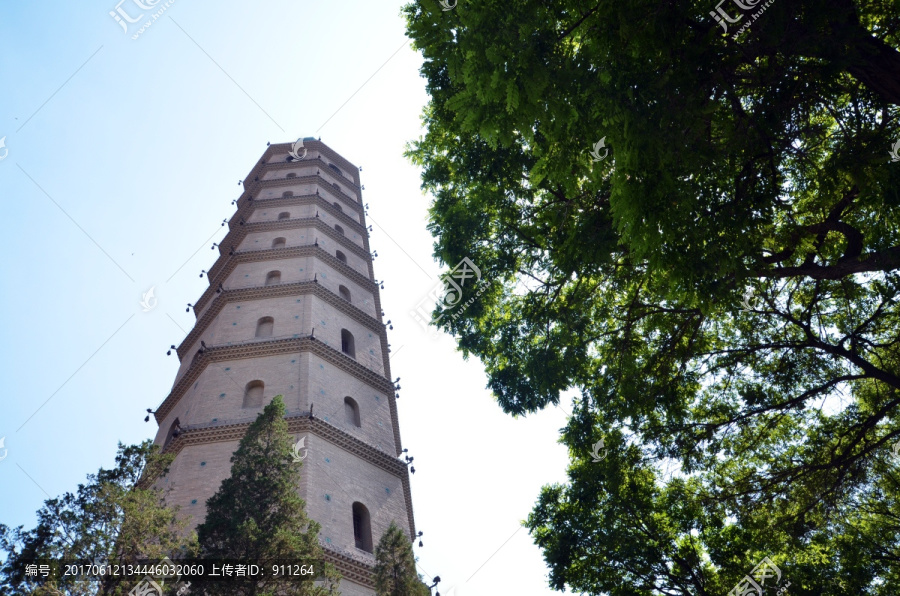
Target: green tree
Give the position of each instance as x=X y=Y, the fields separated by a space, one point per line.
x=718 y=282
x=117 y=518
x=395 y=566
x=257 y=516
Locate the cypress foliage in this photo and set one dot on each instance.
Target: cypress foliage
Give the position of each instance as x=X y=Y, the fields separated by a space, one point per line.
x=257 y=516
x=395 y=566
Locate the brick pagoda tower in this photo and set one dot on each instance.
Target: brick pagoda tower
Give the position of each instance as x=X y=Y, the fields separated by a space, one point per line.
x=292 y=308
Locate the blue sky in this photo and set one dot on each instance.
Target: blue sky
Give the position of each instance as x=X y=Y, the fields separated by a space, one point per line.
x=122 y=158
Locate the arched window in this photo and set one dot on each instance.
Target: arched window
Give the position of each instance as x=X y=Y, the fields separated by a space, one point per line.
x=341 y=256
x=336 y=169
x=286 y=194
x=339 y=229
x=279 y=242
x=345 y=293
x=362 y=527
x=348 y=344
x=173 y=431
x=291 y=175
x=351 y=409
x=337 y=206
x=253 y=394
x=273 y=277
x=264 y=327
x=335 y=185
x=284 y=215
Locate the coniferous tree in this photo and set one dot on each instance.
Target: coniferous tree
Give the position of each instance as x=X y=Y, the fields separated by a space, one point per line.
x=257 y=515
x=395 y=566
x=116 y=517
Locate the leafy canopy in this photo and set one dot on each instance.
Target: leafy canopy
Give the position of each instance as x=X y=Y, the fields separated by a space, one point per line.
x=721 y=289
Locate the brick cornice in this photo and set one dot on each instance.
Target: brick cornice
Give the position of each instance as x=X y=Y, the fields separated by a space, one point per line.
x=255 y=186
x=350 y=568
x=287 y=165
x=245 y=210
x=303 y=287
x=227 y=263
x=217 y=433
x=237 y=233
x=299 y=423
x=322 y=148
x=260 y=349
x=276 y=291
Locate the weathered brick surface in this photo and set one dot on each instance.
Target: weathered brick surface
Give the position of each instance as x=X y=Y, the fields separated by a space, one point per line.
x=253 y=274
x=294 y=315
x=343 y=193
x=301 y=234
x=219 y=392
x=327 y=388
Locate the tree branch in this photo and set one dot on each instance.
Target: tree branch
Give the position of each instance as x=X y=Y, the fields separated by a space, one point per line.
x=885 y=260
